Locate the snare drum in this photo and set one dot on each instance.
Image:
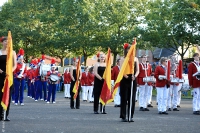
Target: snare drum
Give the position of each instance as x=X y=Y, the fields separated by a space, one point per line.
x=54 y=78
x=149 y=79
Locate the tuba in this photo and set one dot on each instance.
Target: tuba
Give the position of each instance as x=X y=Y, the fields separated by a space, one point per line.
x=44 y=68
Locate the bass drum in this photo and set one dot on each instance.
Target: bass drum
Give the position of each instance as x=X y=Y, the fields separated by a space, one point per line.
x=54 y=78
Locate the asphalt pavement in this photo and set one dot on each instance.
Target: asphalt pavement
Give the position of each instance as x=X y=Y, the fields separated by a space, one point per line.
x=40 y=117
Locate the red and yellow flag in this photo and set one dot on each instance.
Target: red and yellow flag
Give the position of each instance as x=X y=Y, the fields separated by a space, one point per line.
x=76 y=85
x=9 y=73
x=127 y=66
x=106 y=93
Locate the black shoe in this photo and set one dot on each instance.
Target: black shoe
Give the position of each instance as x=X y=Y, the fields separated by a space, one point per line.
x=95 y=112
x=72 y=108
x=178 y=106
x=7 y=119
x=135 y=100
x=196 y=113
x=141 y=109
x=145 y=109
x=175 y=109
x=115 y=106
x=165 y=113
x=104 y=112
x=150 y=106
x=160 y=112
x=169 y=109
x=118 y=105
x=124 y=120
x=77 y=108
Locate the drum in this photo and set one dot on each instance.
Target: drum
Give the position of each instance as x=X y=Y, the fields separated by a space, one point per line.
x=54 y=78
x=149 y=79
x=161 y=77
x=175 y=80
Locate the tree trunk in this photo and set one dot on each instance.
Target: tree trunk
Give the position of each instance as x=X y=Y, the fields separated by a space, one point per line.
x=114 y=58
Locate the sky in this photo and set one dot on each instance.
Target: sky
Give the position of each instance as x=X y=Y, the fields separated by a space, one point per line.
x=2 y=2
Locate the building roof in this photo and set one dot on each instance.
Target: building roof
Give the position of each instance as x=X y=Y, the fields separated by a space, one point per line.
x=163 y=52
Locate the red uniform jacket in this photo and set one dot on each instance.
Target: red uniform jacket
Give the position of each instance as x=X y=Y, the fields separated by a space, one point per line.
x=142 y=73
x=84 y=79
x=19 y=69
x=90 y=79
x=67 y=78
x=115 y=72
x=193 y=81
x=160 y=71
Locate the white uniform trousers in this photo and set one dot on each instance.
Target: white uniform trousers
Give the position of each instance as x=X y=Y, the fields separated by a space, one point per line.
x=143 y=91
x=90 y=96
x=196 y=99
x=179 y=93
x=149 y=95
x=169 y=99
x=162 y=95
x=175 y=90
x=136 y=95
x=117 y=97
x=85 y=92
x=67 y=90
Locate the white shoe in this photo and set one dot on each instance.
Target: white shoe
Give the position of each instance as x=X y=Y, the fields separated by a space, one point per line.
x=41 y=99
x=16 y=104
x=47 y=102
x=54 y=102
x=22 y=104
x=36 y=100
x=13 y=101
x=28 y=96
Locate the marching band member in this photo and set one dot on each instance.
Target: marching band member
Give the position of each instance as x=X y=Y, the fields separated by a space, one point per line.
x=114 y=74
x=3 y=56
x=145 y=71
x=29 y=81
x=84 y=84
x=19 y=78
x=91 y=84
x=99 y=69
x=161 y=86
x=150 y=88
x=175 y=89
x=128 y=79
x=42 y=82
x=194 y=82
x=67 y=80
x=74 y=78
x=53 y=81
x=37 y=81
x=32 y=78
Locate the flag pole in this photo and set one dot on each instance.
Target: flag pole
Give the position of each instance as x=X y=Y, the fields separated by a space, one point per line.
x=4 y=115
x=130 y=107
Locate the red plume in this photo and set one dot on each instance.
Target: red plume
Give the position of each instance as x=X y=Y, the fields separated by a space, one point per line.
x=74 y=59
x=126 y=45
x=168 y=70
x=21 y=51
x=98 y=54
x=43 y=57
x=53 y=61
x=180 y=71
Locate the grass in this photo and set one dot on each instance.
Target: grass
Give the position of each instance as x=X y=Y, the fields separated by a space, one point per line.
x=186 y=95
